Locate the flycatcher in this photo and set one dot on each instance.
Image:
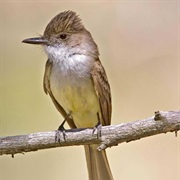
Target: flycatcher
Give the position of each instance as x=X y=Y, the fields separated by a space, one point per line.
x=76 y=82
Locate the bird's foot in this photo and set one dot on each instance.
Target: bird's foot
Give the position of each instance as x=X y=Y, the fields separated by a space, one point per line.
x=59 y=131
x=98 y=128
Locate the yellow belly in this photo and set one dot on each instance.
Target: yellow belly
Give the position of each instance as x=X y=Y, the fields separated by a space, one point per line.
x=80 y=99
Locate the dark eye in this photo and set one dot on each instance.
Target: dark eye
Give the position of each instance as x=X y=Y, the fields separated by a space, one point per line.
x=63 y=36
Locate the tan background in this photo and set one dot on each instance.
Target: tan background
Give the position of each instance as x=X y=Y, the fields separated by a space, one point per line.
x=138 y=42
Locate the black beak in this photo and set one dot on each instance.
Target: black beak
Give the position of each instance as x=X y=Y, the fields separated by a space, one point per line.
x=36 y=40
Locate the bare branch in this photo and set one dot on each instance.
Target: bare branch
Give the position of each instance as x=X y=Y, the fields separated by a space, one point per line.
x=162 y=122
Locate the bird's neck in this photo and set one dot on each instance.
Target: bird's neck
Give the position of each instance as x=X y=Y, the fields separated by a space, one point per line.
x=70 y=61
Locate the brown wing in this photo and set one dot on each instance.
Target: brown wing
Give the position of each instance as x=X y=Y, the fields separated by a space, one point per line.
x=103 y=92
x=47 y=90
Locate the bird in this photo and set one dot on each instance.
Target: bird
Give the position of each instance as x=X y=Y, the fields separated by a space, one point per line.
x=77 y=83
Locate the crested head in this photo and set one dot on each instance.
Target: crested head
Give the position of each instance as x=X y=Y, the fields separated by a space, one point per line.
x=66 y=36
x=67 y=21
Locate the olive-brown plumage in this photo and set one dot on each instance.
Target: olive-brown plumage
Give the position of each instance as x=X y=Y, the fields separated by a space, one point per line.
x=76 y=82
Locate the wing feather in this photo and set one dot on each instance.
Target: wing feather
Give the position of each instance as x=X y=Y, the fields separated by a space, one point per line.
x=103 y=92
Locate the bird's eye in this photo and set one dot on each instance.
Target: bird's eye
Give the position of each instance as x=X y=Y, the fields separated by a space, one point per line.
x=63 y=36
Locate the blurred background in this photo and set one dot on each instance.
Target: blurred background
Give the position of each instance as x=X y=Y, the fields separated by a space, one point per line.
x=139 y=48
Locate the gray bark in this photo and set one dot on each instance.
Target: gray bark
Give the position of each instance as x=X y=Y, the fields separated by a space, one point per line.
x=162 y=122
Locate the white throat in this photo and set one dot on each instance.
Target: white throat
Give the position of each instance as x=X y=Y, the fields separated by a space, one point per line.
x=69 y=59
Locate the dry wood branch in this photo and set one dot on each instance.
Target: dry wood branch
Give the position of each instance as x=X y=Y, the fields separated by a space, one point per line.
x=162 y=122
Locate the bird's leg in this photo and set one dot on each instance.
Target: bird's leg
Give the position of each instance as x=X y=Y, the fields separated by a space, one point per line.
x=61 y=129
x=98 y=127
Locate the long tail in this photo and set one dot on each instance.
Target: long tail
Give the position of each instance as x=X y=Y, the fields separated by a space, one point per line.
x=97 y=163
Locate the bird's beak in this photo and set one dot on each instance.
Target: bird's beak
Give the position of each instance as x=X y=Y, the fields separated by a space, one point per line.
x=36 y=40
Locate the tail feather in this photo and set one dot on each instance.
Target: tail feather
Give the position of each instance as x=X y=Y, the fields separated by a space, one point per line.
x=97 y=163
